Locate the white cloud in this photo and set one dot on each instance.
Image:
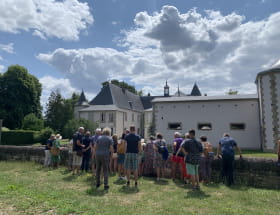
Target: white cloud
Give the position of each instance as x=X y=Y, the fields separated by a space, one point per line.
x=219 y=52
x=2 y=68
x=9 y=48
x=46 y=18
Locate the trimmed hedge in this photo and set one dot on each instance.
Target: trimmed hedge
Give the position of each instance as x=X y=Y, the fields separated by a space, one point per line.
x=17 y=137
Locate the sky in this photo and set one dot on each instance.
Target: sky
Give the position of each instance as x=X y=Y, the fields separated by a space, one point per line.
x=72 y=45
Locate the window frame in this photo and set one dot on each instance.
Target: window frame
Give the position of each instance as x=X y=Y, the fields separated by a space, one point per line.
x=176 y=129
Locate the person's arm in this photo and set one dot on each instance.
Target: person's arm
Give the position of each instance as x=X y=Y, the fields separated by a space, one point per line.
x=125 y=146
x=239 y=151
x=218 y=149
x=111 y=150
x=139 y=147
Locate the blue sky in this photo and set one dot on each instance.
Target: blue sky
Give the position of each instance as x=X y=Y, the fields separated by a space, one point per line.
x=77 y=44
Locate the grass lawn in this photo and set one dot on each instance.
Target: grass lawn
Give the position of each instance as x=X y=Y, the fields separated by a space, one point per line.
x=258 y=154
x=28 y=188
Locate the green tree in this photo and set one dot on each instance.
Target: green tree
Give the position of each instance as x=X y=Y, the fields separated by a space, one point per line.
x=59 y=110
x=72 y=126
x=19 y=95
x=31 y=122
x=232 y=92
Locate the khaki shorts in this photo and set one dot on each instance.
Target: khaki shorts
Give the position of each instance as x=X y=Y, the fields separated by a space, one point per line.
x=77 y=160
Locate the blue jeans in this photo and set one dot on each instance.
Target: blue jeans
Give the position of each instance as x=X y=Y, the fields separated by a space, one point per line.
x=227 y=168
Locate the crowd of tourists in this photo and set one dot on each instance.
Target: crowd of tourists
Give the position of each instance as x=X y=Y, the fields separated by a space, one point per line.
x=130 y=155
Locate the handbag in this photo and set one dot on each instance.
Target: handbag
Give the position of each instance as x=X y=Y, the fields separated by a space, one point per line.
x=54 y=151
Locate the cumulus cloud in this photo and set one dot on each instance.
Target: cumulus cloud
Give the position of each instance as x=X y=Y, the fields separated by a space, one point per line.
x=9 y=48
x=2 y=68
x=46 y=18
x=219 y=52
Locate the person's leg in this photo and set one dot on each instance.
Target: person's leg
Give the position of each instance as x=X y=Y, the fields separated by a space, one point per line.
x=173 y=169
x=105 y=165
x=87 y=162
x=230 y=171
x=196 y=176
x=115 y=164
x=46 y=158
x=202 y=169
x=98 y=170
x=83 y=163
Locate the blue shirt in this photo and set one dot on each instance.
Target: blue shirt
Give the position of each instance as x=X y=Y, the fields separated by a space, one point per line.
x=87 y=142
x=132 y=141
x=227 y=146
x=77 y=137
x=49 y=144
x=103 y=144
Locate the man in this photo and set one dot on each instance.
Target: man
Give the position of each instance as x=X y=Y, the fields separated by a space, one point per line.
x=226 y=148
x=86 y=151
x=132 y=148
x=178 y=157
x=192 y=150
x=77 y=150
x=47 y=161
x=94 y=139
x=102 y=149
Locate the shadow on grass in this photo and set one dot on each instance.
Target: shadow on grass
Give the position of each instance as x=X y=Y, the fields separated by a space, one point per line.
x=96 y=192
x=70 y=178
x=119 y=182
x=161 y=182
x=197 y=194
x=129 y=190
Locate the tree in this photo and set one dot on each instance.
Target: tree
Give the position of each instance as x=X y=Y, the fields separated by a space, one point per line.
x=232 y=92
x=31 y=122
x=59 y=110
x=19 y=95
x=73 y=125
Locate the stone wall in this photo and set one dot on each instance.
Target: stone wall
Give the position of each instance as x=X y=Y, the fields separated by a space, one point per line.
x=254 y=172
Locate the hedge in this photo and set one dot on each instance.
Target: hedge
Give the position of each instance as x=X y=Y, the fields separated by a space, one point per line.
x=17 y=137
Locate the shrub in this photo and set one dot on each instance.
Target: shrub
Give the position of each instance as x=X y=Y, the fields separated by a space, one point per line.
x=45 y=134
x=17 y=137
x=31 y=122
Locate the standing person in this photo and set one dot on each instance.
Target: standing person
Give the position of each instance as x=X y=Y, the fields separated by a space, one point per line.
x=205 y=164
x=49 y=143
x=226 y=148
x=141 y=158
x=86 y=152
x=192 y=149
x=126 y=132
x=121 y=156
x=94 y=139
x=149 y=156
x=55 y=151
x=102 y=149
x=177 y=158
x=132 y=148
x=159 y=162
x=114 y=157
x=77 y=150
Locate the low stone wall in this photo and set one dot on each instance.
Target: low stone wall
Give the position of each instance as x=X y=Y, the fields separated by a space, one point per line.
x=255 y=172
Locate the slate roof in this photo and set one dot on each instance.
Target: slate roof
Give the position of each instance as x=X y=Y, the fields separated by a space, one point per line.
x=195 y=91
x=147 y=101
x=122 y=98
x=82 y=99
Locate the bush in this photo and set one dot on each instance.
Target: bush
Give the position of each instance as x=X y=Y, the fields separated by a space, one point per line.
x=31 y=122
x=17 y=137
x=72 y=126
x=45 y=134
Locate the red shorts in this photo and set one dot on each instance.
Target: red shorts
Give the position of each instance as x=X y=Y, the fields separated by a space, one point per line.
x=177 y=159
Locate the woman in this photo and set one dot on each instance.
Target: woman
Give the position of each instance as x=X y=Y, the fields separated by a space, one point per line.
x=121 y=156
x=159 y=162
x=141 y=158
x=102 y=149
x=206 y=160
x=149 y=156
x=55 y=151
x=177 y=158
x=114 y=158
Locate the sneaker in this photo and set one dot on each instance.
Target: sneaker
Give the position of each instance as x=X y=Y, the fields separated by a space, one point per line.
x=128 y=183
x=106 y=187
x=97 y=185
x=136 y=184
x=158 y=179
x=197 y=187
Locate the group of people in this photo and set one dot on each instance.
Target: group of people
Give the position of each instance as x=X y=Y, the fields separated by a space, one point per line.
x=129 y=155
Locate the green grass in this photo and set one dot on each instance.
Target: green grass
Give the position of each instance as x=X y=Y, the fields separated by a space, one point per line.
x=28 y=188
x=258 y=154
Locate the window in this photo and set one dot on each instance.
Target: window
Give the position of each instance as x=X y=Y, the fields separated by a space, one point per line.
x=175 y=126
x=111 y=117
x=132 y=117
x=237 y=126
x=204 y=126
x=102 y=117
x=138 y=118
x=125 y=116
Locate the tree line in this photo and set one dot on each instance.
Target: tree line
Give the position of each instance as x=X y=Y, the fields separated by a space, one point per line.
x=20 y=106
